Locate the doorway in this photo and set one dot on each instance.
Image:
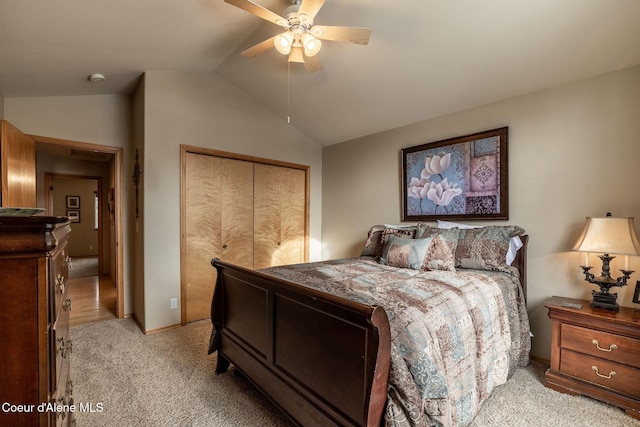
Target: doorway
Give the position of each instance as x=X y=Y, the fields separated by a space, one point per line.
x=99 y=166
x=79 y=197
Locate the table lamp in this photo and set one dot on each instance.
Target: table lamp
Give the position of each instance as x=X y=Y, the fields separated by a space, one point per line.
x=608 y=235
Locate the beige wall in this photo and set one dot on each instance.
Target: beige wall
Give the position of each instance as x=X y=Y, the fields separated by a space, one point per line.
x=573 y=152
x=99 y=119
x=203 y=110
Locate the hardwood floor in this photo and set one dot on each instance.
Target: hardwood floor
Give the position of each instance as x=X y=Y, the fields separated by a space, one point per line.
x=93 y=299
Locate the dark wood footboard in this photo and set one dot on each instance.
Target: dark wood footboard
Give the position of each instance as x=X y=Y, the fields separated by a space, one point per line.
x=322 y=359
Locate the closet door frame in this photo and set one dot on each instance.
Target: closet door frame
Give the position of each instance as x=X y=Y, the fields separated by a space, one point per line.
x=186 y=149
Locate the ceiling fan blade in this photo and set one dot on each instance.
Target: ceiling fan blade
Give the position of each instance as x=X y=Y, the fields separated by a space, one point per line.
x=259 y=48
x=310 y=7
x=342 y=34
x=312 y=63
x=259 y=11
x=296 y=55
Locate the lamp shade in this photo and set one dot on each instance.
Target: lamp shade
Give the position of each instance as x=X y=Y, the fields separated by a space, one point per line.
x=311 y=44
x=283 y=42
x=609 y=235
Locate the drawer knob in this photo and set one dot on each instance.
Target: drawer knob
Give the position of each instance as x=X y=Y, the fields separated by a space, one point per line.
x=611 y=347
x=611 y=374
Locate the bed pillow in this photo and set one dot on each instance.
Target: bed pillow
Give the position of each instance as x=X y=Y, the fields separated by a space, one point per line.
x=406 y=232
x=515 y=243
x=405 y=253
x=441 y=254
x=373 y=245
x=485 y=248
x=379 y=234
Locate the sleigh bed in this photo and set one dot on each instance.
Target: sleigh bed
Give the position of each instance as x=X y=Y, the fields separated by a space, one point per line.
x=417 y=331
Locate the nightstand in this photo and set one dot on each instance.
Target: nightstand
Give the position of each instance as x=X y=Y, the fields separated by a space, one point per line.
x=595 y=353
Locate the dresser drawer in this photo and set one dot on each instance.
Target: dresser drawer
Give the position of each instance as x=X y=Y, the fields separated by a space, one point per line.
x=621 y=378
x=59 y=277
x=601 y=344
x=63 y=395
x=62 y=347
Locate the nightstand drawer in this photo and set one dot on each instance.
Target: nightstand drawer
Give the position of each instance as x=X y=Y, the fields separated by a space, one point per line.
x=601 y=344
x=622 y=378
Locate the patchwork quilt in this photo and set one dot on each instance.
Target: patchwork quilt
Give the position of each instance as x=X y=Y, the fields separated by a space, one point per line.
x=455 y=335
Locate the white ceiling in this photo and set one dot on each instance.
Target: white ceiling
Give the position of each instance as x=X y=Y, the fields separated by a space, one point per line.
x=426 y=58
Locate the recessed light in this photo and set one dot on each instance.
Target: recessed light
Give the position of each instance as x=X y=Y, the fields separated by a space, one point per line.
x=97 y=78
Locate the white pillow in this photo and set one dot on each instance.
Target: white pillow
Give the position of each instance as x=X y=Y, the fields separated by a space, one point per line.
x=515 y=243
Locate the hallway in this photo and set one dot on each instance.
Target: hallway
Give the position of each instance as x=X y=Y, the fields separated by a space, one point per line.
x=93 y=299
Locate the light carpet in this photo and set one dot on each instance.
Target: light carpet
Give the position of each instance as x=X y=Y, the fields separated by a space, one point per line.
x=167 y=379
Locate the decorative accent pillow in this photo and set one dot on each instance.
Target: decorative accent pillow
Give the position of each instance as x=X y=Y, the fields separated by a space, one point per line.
x=373 y=245
x=515 y=243
x=379 y=234
x=441 y=254
x=405 y=253
x=485 y=248
x=408 y=232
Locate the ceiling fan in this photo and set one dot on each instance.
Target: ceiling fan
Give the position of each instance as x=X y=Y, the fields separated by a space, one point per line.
x=301 y=39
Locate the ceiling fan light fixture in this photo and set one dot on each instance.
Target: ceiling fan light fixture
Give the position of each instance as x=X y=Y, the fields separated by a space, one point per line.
x=311 y=45
x=283 y=43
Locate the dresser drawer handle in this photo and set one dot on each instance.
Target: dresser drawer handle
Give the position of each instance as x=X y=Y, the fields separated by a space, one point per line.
x=60 y=283
x=62 y=347
x=611 y=347
x=611 y=374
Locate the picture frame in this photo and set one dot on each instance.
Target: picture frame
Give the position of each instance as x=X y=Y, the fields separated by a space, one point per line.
x=465 y=177
x=636 y=294
x=73 y=215
x=73 y=202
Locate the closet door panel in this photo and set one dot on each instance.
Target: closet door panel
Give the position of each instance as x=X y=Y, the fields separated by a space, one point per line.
x=236 y=182
x=219 y=224
x=293 y=218
x=279 y=215
x=203 y=225
x=267 y=213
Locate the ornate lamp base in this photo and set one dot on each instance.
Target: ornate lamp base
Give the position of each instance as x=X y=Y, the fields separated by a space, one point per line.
x=606 y=301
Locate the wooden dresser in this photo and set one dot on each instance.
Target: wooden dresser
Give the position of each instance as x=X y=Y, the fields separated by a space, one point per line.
x=35 y=385
x=595 y=352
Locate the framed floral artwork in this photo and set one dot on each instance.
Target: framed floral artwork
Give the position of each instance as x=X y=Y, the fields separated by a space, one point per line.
x=458 y=178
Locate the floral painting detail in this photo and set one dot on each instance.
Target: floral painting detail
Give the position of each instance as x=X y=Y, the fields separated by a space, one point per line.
x=464 y=177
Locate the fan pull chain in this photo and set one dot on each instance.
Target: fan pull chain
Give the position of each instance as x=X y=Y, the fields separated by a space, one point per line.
x=288 y=91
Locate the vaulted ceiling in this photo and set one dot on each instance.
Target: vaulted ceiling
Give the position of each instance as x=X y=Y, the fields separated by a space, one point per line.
x=425 y=58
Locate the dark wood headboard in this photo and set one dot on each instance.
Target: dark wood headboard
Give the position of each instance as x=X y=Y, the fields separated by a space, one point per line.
x=520 y=262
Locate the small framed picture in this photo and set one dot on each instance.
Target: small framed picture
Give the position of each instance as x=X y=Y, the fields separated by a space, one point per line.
x=636 y=294
x=74 y=215
x=73 y=202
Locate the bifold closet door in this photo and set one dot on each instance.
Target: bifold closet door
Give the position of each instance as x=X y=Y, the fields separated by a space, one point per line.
x=17 y=167
x=279 y=215
x=218 y=223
